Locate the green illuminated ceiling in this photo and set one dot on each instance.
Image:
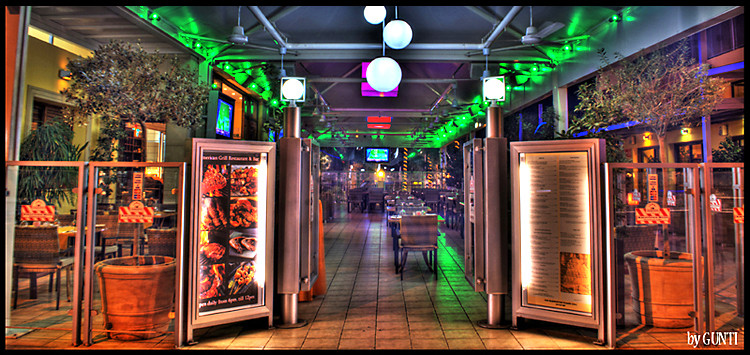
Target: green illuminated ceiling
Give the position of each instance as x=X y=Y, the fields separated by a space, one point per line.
x=202 y=30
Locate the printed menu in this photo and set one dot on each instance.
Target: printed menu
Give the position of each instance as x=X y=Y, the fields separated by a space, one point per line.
x=231 y=243
x=555 y=230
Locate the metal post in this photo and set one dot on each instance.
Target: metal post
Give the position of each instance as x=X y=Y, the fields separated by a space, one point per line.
x=289 y=310
x=494 y=121
x=292 y=121
x=495 y=301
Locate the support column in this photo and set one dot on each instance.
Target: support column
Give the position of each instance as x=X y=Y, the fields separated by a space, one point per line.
x=560 y=103
x=495 y=301
x=290 y=279
x=292 y=121
x=494 y=121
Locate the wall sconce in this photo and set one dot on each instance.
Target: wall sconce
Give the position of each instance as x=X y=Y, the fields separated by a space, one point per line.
x=647 y=136
x=631 y=140
x=724 y=130
x=64 y=74
x=684 y=131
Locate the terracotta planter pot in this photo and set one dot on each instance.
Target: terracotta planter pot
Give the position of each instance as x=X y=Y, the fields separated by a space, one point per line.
x=662 y=288
x=137 y=295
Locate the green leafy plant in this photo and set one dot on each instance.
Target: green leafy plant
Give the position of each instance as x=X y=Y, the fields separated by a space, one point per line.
x=660 y=90
x=728 y=152
x=123 y=83
x=50 y=141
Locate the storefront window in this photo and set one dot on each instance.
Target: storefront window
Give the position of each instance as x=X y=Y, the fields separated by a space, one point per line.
x=648 y=155
x=688 y=152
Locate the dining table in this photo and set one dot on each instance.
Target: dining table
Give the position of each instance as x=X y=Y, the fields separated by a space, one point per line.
x=67 y=235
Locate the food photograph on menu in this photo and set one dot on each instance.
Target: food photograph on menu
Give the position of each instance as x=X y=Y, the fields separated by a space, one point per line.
x=231 y=243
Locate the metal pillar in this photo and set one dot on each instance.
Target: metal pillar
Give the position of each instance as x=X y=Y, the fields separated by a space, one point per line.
x=495 y=301
x=289 y=300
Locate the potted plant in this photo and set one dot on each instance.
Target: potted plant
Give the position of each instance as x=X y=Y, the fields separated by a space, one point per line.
x=659 y=90
x=122 y=84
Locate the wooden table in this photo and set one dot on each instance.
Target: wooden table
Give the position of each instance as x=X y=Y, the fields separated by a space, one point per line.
x=67 y=235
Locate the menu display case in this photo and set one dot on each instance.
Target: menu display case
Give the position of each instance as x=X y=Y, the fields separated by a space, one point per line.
x=231 y=246
x=557 y=232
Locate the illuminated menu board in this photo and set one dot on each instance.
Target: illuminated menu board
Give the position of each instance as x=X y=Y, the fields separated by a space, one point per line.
x=555 y=230
x=231 y=245
x=557 y=239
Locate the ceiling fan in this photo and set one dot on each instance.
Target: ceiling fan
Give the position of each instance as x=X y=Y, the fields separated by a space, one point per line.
x=236 y=37
x=532 y=36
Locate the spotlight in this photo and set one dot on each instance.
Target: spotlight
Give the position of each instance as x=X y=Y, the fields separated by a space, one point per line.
x=615 y=18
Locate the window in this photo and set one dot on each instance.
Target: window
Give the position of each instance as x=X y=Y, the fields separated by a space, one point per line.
x=44 y=111
x=726 y=36
x=691 y=152
x=648 y=155
x=738 y=88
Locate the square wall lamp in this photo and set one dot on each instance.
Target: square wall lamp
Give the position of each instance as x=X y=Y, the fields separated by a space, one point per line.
x=293 y=89
x=493 y=88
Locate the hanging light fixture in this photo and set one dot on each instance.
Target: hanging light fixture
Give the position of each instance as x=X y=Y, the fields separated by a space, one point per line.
x=383 y=74
x=375 y=14
x=397 y=33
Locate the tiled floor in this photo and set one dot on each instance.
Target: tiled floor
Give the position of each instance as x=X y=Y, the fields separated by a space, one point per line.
x=368 y=306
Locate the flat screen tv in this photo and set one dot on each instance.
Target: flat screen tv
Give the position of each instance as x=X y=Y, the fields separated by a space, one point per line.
x=376 y=155
x=224 y=115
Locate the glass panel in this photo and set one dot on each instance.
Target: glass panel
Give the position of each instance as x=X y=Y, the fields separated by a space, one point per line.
x=728 y=248
x=136 y=211
x=646 y=292
x=41 y=210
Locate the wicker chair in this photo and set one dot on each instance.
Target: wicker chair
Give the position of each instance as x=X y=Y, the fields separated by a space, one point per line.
x=37 y=254
x=119 y=234
x=162 y=241
x=419 y=233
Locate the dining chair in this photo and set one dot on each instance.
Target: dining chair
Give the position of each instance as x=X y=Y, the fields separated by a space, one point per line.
x=419 y=233
x=162 y=241
x=36 y=253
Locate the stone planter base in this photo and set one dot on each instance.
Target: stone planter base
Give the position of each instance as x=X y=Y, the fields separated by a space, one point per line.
x=137 y=295
x=662 y=288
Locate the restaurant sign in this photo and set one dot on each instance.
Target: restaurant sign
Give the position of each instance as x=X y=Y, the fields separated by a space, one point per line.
x=136 y=212
x=38 y=211
x=652 y=214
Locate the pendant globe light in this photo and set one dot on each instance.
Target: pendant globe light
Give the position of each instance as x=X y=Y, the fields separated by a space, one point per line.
x=397 y=33
x=383 y=74
x=375 y=14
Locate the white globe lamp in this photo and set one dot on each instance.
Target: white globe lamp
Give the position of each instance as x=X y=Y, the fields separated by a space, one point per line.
x=493 y=88
x=383 y=74
x=292 y=89
x=374 y=14
x=397 y=34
